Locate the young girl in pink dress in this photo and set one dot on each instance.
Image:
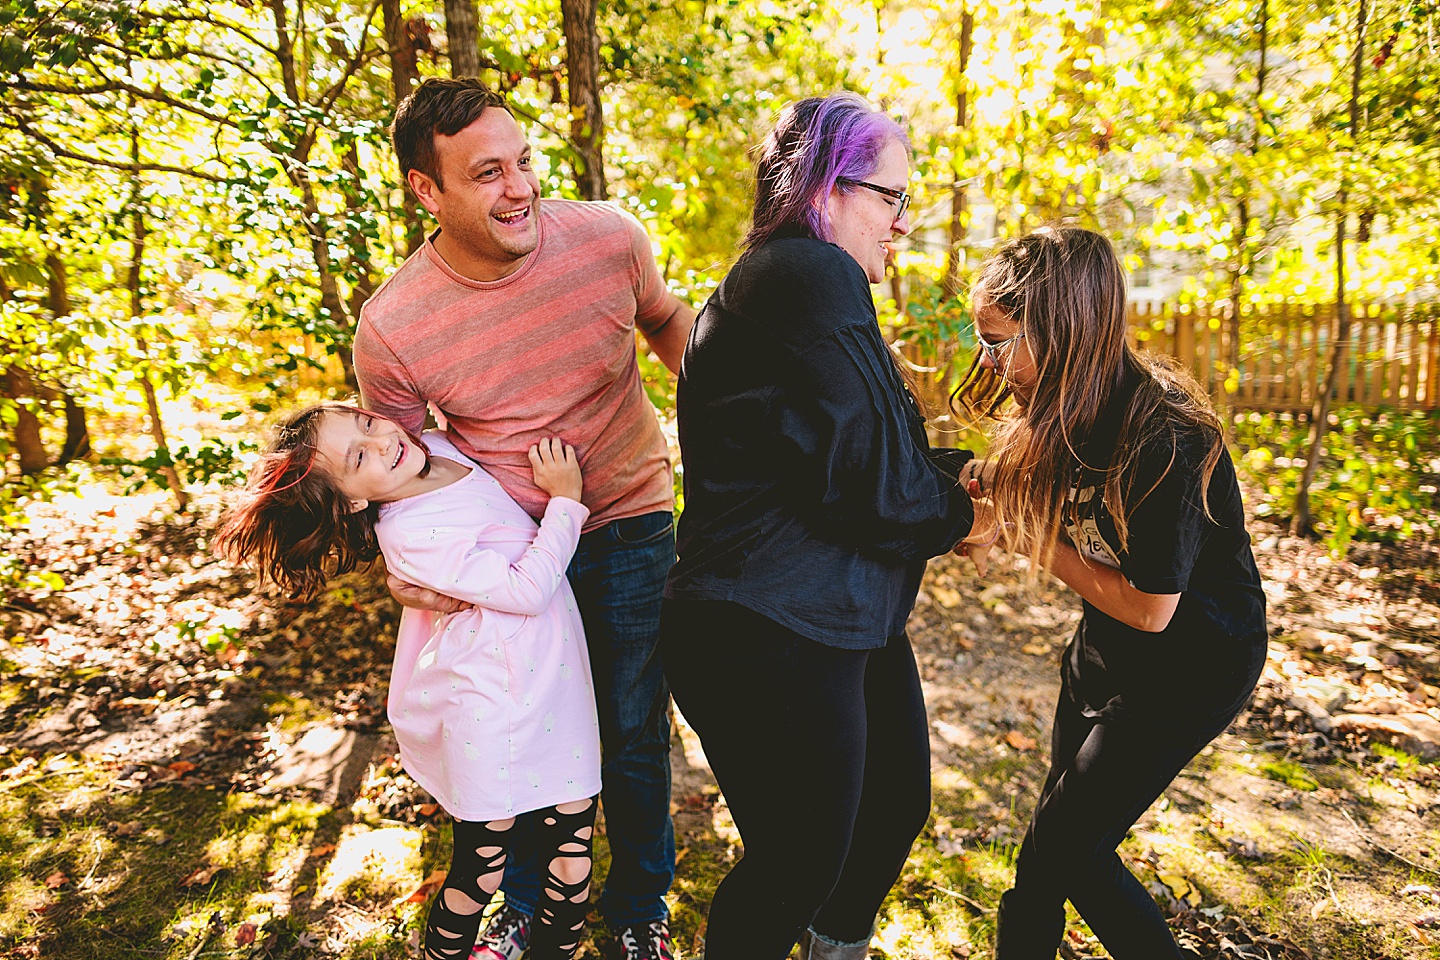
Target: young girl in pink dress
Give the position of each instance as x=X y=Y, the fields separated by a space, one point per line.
x=492 y=705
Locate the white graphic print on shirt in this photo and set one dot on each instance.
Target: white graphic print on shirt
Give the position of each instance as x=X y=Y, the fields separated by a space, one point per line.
x=1083 y=527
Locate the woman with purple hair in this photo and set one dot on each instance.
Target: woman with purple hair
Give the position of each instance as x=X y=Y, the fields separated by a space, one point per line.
x=812 y=501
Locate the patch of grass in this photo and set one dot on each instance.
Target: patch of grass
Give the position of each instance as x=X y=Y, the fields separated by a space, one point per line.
x=94 y=876
x=1406 y=762
x=1290 y=773
x=945 y=899
x=294 y=712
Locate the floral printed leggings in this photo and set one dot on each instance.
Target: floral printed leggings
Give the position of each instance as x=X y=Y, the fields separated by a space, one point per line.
x=478 y=864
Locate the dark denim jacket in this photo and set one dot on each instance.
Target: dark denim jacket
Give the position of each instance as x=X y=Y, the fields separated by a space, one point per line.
x=811 y=493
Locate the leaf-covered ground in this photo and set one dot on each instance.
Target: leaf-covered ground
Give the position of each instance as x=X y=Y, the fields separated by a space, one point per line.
x=189 y=770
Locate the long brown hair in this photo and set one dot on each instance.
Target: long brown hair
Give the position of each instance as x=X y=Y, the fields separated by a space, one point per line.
x=291 y=520
x=1065 y=287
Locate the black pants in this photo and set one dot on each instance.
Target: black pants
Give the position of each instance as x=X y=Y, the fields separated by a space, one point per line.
x=824 y=760
x=1105 y=773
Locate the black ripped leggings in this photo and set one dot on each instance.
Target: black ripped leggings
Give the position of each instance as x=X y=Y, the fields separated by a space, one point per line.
x=564 y=833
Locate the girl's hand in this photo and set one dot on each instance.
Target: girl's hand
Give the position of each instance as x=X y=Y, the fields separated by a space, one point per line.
x=984 y=531
x=979 y=554
x=557 y=469
x=978 y=477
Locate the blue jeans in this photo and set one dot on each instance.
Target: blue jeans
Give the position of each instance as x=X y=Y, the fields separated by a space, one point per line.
x=618 y=575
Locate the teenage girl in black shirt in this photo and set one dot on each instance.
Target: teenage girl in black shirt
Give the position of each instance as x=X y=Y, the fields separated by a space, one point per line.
x=1109 y=470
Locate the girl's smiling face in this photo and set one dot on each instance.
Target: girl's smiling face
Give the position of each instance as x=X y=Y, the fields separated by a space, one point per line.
x=370 y=458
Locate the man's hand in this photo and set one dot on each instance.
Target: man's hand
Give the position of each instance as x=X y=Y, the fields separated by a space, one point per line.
x=421 y=598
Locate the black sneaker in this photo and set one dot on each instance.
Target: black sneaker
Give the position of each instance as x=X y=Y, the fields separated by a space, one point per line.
x=650 y=941
x=505 y=937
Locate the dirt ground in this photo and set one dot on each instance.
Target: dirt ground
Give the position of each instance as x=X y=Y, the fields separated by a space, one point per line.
x=190 y=770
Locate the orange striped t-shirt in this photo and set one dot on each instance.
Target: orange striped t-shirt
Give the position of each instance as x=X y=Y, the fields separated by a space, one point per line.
x=547 y=351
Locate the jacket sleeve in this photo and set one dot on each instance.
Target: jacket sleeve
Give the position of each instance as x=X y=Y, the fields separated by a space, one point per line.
x=866 y=476
x=449 y=560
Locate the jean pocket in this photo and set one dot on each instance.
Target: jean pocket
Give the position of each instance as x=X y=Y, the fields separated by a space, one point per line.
x=645 y=529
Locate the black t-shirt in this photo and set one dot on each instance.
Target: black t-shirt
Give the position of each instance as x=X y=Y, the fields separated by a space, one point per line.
x=1215 y=643
x=811 y=493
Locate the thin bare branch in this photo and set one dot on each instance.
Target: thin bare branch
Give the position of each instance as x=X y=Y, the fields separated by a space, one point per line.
x=217 y=22
x=129 y=167
x=185 y=52
x=327 y=102
x=540 y=123
x=118 y=86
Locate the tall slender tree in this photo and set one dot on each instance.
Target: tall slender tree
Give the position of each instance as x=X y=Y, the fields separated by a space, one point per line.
x=587 y=121
x=462 y=37
x=1302 y=522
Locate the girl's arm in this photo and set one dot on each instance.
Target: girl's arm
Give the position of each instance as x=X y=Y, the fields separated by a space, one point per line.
x=448 y=560
x=1109 y=592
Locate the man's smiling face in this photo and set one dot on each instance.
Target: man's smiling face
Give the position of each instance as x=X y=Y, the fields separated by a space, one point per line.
x=488 y=200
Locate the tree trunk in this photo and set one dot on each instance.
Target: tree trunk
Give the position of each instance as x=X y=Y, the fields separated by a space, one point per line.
x=587 y=123
x=330 y=300
x=462 y=38
x=29 y=447
x=138 y=233
x=404 y=75
x=959 y=215
x=1244 y=256
x=361 y=267
x=1302 y=522
x=77 y=432
x=77 y=429
x=296 y=169
x=152 y=402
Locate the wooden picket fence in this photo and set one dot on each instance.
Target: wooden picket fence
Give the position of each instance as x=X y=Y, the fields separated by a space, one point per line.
x=1392 y=358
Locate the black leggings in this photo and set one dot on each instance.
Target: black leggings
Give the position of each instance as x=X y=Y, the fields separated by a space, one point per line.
x=1104 y=773
x=478 y=864
x=824 y=760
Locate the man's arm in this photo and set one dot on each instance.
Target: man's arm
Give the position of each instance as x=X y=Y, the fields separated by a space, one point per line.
x=668 y=339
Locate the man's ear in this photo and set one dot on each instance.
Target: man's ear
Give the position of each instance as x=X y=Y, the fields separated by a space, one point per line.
x=425 y=188
x=357 y=505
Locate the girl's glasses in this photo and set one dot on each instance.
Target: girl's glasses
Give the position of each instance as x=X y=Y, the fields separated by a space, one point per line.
x=900 y=195
x=992 y=350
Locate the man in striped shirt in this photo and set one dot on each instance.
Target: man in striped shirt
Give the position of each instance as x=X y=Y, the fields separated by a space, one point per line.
x=516 y=320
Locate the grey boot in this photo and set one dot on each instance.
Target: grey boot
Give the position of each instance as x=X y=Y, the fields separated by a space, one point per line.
x=815 y=946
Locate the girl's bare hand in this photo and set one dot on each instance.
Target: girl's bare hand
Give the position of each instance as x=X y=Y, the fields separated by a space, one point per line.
x=979 y=554
x=984 y=531
x=557 y=469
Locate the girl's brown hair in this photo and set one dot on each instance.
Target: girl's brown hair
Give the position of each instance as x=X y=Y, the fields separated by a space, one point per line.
x=292 y=520
x=1065 y=287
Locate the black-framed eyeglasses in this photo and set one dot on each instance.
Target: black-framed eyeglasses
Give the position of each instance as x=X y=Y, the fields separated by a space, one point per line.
x=992 y=350
x=900 y=195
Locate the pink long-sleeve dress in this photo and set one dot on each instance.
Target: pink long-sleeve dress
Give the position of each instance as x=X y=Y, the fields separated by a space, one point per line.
x=493 y=707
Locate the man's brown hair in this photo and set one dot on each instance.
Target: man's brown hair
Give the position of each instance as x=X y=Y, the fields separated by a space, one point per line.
x=441 y=107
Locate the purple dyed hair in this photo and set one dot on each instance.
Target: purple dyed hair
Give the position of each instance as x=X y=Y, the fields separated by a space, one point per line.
x=815 y=142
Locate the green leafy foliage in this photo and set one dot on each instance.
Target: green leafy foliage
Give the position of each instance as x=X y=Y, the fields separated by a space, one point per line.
x=1377 y=480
